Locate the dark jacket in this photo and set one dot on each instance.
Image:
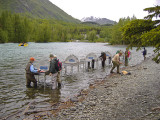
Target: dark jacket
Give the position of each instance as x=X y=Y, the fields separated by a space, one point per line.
x=144 y=52
x=103 y=56
x=52 y=68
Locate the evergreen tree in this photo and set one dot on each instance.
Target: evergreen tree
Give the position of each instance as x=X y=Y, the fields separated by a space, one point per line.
x=144 y=32
x=91 y=36
x=117 y=31
x=3 y=36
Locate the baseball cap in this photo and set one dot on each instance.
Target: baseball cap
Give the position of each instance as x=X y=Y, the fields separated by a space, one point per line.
x=55 y=56
x=32 y=59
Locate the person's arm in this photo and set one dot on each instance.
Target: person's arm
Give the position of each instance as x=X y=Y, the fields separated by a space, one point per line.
x=32 y=69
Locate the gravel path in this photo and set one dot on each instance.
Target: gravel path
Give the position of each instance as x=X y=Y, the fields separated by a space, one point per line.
x=127 y=97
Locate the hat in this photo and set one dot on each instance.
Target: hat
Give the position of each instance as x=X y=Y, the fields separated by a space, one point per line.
x=51 y=55
x=120 y=52
x=54 y=56
x=32 y=59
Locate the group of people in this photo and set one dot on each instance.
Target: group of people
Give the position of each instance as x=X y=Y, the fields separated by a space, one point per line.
x=53 y=72
x=116 y=59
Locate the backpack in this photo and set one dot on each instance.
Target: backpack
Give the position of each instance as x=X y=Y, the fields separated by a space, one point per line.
x=58 y=65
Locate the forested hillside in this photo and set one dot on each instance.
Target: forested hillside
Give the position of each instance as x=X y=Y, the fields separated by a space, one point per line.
x=41 y=21
x=42 y=9
x=17 y=28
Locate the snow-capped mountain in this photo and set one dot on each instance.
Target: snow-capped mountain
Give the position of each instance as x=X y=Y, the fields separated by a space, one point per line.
x=98 y=20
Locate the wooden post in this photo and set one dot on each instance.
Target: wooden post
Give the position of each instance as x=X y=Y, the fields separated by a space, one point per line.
x=65 y=69
x=71 y=69
x=93 y=61
x=44 y=81
x=78 y=67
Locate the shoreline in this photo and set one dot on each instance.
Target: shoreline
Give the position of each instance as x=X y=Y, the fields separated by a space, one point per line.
x=121 y=97
x=93 y=99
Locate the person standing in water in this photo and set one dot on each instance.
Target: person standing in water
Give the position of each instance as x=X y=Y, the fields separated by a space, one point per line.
x=52 y=71
x=103 y=58
x=59 y=71
x=30 y=72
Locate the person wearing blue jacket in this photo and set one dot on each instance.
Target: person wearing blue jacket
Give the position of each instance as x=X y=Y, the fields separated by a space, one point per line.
x=30 y=72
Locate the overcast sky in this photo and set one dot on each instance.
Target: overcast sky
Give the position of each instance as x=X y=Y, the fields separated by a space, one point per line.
x=110 y=9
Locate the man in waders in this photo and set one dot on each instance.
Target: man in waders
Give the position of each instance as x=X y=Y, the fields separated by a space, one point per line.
x=58 y=73
x=30 y=72
x=103 y=58
x=116 y=62
x=52 y=71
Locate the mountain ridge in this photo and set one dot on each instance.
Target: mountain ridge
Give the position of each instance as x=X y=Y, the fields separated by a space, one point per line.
x=43 y=9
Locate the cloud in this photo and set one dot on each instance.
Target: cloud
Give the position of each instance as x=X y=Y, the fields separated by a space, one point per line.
x=111 y=9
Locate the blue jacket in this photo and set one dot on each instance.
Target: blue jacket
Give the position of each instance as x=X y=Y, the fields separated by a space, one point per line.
x=32 y=69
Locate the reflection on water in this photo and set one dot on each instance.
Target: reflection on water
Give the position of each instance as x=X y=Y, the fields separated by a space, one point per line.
x=15 y=96
x=70 y=79
x=51 y=95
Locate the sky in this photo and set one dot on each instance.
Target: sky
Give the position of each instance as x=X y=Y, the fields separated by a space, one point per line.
x=110 y=9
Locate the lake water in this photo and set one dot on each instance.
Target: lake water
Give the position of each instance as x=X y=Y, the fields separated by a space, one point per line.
x=13 y=59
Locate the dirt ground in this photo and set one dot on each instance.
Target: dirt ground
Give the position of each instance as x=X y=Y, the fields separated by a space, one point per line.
x=121 y=97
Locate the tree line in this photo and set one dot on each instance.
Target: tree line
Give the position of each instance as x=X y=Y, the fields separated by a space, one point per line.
x=144 y=32
x=17 y=28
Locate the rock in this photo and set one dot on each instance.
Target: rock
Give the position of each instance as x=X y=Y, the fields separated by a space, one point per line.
x=31 y=107
x=144 y=102
x=92 y=103
x=85 y=111
x=75 y=99
x=64 y=113
x=73 y=109
x=156 y=109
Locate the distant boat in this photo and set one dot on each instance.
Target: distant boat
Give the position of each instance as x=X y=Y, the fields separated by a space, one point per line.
x=23 y=44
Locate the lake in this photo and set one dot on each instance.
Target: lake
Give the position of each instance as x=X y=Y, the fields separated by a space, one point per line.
x=13 y=59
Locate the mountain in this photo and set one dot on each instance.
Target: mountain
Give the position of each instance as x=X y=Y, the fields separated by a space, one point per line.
x=101 y=21
x=37 y=9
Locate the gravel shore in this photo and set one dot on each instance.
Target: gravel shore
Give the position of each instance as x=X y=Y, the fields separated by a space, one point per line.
x=121 y=97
